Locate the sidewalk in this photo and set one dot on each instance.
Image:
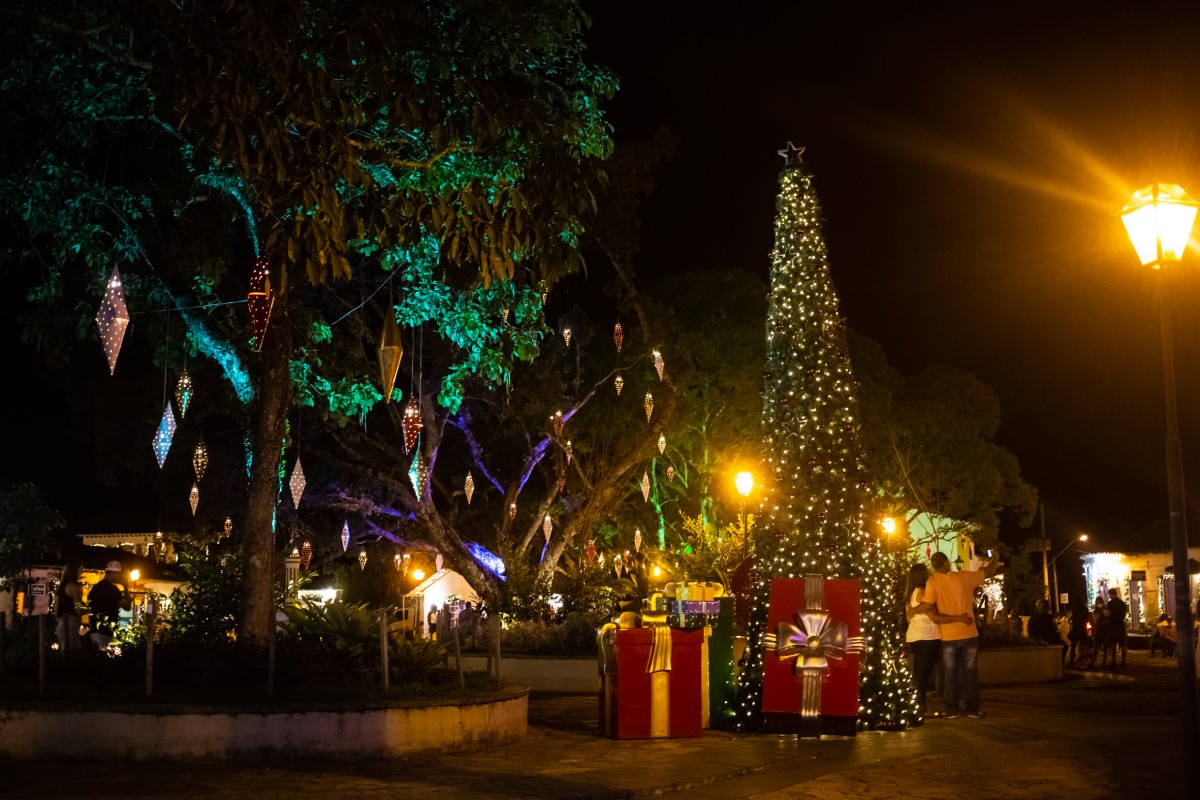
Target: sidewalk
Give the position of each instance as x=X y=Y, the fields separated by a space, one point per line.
x=1092 y=735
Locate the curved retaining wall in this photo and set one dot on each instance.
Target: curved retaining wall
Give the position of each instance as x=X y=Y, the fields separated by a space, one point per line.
x=179 y=733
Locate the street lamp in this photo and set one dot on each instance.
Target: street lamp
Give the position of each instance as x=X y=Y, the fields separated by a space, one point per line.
x=1159 y=221
x=744 y=481
x=1054 y=565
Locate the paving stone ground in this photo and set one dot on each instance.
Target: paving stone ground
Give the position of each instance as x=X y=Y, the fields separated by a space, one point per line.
x=1094 y=735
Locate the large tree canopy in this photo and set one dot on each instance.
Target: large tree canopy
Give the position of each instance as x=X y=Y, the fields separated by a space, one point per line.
x=445 y=149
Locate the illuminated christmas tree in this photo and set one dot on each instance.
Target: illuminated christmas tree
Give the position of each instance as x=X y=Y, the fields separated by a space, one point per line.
x=814 y=519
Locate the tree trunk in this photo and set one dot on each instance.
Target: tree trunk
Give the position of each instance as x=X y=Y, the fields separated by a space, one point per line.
x=268 y=416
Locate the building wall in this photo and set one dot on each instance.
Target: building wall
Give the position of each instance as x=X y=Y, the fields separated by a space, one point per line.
x=1104 y=571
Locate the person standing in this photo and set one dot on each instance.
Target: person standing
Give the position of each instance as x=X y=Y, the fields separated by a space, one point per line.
x=952 y=595
x=105 y=601
x=1118 y=612
x=922 y=636
x=1078 y=635
x=67 y=597
x=1099 y=618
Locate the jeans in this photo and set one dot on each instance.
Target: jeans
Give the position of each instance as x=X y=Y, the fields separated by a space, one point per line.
x=925 y=656
x=961 y=673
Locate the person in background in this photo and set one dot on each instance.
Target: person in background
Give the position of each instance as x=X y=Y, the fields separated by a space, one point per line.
x=1063 y=624
x=952 y=595
x=105 y=602
x=1042 y=628
x=1117 y=613
x=67 y=598
x=1099 y=619
x=1079 y=633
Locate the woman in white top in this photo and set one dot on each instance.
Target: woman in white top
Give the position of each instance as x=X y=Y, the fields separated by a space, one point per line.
x=922 y=635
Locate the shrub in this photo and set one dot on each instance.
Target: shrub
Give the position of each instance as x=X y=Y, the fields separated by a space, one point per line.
x=413 y=660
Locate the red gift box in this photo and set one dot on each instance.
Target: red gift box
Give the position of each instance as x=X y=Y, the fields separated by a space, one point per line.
x=637 y=704
x=783 y=689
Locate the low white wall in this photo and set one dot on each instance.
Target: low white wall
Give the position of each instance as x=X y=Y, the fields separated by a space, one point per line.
x=36 y=734
x=1020 y=664
x=544 y=674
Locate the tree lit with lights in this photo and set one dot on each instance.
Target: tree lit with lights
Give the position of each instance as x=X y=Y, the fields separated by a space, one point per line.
x=813 y=521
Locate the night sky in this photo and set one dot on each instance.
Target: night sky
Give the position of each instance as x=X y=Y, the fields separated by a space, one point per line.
x=971 y=160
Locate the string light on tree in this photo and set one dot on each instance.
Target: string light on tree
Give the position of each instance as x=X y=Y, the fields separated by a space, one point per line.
x=818 y=505
x=200 y=460
x=297 y=483
x=260 y=301
x=164 y=435
x=112 y=319
x=619 y=383
x=618 y=336
x=183 y=393
x=469 y=487
x=658 y=364
x=648 y=404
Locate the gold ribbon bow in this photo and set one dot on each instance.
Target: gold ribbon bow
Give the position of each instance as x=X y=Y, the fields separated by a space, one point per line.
x=812 y=641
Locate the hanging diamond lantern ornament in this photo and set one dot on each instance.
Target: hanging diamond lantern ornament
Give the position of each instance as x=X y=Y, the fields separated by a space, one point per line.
x=547 y=527
x=570 y=451
x=200 y=460
x=646 y=487
x=405 y=563
x=591 y=552
x=648 y=404
x=658 y=364
x=437 y=562
x=469 y=487
x=112 y=319
x=391 y=350
x=297 y=483
x=228 y=529
x=183 y=393
x=662 y=443
x=618 y=335
x=566 y=333
x=619 y=382
x=512 y=510
x=260 y=301
x=637 y=540
x=417 y=474
x=397 y=560
x=362 y=558
x=345 y=535
x=562 y=481
x=411 y=424
x=670 y=474
x=164 y=435
x=194 y=497
x=557 y=422
x=305 y=554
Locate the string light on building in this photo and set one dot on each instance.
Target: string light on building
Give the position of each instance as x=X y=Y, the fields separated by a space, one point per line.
x=112 y=319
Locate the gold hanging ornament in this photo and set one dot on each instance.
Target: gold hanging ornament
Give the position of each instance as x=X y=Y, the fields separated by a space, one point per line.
x=557 y=422
x=648 y=404
x=646 y=487
x=670 y=474
x=362 y=558
x=200 y=460
x=637 y=540
x=662 y=443
x=619 y=382
x=228 y=529
x=504 y=315
x=512 y=510
x=391 y=350
x=345 y=535
x=112 y=319
x=566 y=333
x=562 y=481
x=297 y=483
x=194 y=498
x=411 y=424
x=469 y=487
x=183 y=393
x=658 y=364
x=405 y=563
x=618 y=335
x=305 y=554
x=547 y=527
x=260 y=301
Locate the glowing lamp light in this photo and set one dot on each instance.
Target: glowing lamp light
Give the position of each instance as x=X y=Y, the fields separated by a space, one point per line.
x=135 y=575
x=1159 y=221
x=164 y=435
x=418 y=575
x=889 y=525
x=297 y=483
x=112 y=319
x=744 y=481
x=391 y=351
x=657 y=571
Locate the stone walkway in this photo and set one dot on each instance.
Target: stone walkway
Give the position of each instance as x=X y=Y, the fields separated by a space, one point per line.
x=1093 y=735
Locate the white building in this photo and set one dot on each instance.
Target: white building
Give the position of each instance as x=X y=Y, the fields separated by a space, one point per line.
x=1145 y=580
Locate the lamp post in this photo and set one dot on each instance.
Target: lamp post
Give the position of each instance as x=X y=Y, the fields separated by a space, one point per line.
x=1054 y=565
x=1159 y=221
x=744 y=481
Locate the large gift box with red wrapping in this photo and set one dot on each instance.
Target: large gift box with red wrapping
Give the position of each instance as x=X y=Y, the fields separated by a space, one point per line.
x=812 y=654
x=666 y=703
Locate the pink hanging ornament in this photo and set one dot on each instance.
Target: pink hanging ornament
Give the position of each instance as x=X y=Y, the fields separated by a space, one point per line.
x=112 y=319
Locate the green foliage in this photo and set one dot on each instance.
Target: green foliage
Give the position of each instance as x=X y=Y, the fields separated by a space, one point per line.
x=27 y=530
x=205 y=612
x=574 y=634
x=525 y=594
x=414 y=660
x=706 y=553
x=336 y=636
x=584 y=588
